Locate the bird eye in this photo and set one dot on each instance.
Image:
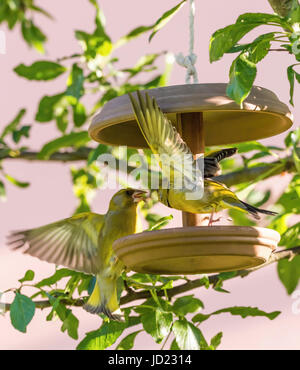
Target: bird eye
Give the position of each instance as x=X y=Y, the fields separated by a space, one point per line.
x=128 y=192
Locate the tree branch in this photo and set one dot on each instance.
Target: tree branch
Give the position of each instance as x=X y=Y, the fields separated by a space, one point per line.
x=232 y=178
x=190 y=285
x=251 y=174
x=68 y=156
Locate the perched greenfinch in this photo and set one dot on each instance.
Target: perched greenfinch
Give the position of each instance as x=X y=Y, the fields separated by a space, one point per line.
x=84 y=243
x=165 y=141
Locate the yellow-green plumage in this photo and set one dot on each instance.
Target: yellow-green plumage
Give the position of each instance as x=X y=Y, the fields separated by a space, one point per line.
x=84 y=243
x=165 y=141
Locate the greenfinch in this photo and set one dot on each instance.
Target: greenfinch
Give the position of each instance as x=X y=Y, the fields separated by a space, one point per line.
x=165 y=141
x=84 y=243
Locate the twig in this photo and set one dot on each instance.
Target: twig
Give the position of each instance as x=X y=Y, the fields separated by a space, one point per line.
x=279 y=50
x=192 y=284
x=68 y=57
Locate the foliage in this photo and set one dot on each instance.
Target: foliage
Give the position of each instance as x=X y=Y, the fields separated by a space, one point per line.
x=243 y=69
x=94 y=73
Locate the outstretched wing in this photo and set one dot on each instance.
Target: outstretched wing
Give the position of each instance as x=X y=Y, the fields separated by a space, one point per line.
x=173 y=154
x=72 y=242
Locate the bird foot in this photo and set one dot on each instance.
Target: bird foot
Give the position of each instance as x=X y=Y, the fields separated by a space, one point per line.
x=211 y=222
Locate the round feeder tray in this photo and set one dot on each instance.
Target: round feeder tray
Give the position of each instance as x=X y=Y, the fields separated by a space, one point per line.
x=262 y=115
x=195 y=250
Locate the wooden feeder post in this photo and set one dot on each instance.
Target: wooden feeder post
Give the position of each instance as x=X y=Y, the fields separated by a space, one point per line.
x=191 y=128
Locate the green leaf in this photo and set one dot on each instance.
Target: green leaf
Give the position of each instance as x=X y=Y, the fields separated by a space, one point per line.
x=58 y=275
x=16 y=182
x=296 y=159
x=18 y=134
x=75 y=139
x=250 y=146
x=102 y=338
x=242 y=75
x=188 y=336
x=165 y=18
x=279 y=223
x=94 y=45
x=261 y=18
x=127 y=343
x=2 y=190
x=247 y=311
x=259 y=48
x=75 y=82
x=40 y=10
x=291 y=78
x=160 y=223
x=292 y=138
x=289 y=200
x=69 y=321
x=224 y=39
x=216 y=340
x=282 y=8
x=46 y=107
x=136 y=32
x=40 y=71
x=289 y=273
x=29 y=276
x=62 y=120
x=143 y=64
x=79 y=114
x=291 y=237
x=258 y=198
x=99 y=42
x=33 y=35
x=156 y=322
x=238 y=311
x=187 y=304
x=21 y=312
x=174 y=346
x=70 y=324
x=12 y=126
x=200 y=317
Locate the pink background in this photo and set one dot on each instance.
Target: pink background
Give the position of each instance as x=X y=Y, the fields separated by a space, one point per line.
x=50 y=196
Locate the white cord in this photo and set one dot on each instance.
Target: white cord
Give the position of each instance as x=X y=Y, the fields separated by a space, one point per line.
x=190 y=60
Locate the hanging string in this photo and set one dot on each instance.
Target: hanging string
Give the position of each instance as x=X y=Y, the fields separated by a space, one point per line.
x=190 y=60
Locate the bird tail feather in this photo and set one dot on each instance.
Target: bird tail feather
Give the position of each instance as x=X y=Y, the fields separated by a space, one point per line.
x=254 y=210
x=104 y=299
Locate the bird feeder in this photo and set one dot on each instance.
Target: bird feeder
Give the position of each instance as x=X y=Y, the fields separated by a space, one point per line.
x=203 y=115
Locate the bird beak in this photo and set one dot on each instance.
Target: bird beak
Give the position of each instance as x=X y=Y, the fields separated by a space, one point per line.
x=138 y=195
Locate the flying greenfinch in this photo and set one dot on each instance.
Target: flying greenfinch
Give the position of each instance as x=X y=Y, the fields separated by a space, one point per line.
x=84 y=243
x=165 y=141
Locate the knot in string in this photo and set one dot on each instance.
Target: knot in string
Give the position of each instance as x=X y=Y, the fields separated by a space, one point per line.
x=188 y=62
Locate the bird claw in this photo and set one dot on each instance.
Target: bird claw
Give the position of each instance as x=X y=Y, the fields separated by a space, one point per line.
x=213 y=221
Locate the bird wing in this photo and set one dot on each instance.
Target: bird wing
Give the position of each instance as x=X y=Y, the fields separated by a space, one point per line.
x=165 y=142
x=72 y=242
